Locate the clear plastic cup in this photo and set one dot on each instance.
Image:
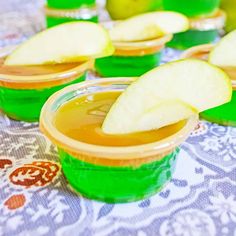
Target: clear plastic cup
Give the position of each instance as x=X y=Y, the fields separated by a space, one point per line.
x=111 y=174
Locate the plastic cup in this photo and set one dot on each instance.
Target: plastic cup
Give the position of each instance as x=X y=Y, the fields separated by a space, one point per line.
x=131 y=59
x=22 y=96
x=202 y=31
x=111 y=174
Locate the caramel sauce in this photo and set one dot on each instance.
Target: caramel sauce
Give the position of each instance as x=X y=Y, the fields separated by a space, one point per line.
x=81 y=119
x=35 y=70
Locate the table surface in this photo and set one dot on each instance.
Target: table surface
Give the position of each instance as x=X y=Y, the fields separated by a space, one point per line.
x=200 y=199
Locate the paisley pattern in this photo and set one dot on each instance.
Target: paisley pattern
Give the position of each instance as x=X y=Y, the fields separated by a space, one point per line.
x=36 y=200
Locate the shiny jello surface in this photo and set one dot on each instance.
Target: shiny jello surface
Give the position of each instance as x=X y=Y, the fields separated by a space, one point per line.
x=81 y=119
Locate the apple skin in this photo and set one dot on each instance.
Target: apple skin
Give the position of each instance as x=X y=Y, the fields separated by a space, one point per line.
x=123 y=9
x=229 y=6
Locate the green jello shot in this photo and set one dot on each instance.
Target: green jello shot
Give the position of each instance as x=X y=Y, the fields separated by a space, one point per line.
x=24 y=90
x=117 y=184
x=192 y=8
x=226 y=113
x=58 y=16
x=202 y=31
x=114 y=174
x=116 y=66
x=70 y=4
x=132 y=58
x=26 y=104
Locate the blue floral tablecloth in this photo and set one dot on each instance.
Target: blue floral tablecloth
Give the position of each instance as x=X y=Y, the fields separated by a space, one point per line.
x=35 y=198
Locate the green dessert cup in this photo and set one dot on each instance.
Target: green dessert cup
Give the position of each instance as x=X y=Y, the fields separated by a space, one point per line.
x=202 y=31
x=107 y=173
x=70 y=4
x=59 y=16
x=224 y=114
x=131 y=58
x=192 y=8
x=22 y=96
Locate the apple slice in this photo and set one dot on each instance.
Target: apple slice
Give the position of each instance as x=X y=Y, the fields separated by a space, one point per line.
x=162 y=114
x=149 y=26
x=70 y=42
x=147 y=103
x=224 y=53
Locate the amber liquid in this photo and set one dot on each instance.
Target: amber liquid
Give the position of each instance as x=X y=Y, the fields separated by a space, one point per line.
x=82 y=118
x=35 y=70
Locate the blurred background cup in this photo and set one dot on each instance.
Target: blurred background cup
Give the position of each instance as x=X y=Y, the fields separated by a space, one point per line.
x=62 y=11
x=229 y=6
x=123 y=9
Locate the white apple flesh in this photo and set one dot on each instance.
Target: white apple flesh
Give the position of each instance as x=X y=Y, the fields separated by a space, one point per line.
x=224 y=53
x=141 y=106
x=149 y=26
x=65 y=43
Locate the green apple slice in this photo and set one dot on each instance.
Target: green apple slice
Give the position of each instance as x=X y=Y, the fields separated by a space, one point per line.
x=164 y=113
x=70 y=42
x=149 y=26
x=224 y=53
x=147 y=103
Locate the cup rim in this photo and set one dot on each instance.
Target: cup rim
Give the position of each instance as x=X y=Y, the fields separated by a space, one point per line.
x=136 y=45
x=160 y=41
x=74 y=13
x=41 y=81
x=106 y=152
x=215 y=21
x=205 y=48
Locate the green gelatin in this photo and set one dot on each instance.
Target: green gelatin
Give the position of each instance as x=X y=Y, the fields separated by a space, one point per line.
x=115 y=66
x=26 y=104
x=192 y=8
x=223 y=115
x=53 y=21
x=192 y=38
x=117 y=184
x=69 y=4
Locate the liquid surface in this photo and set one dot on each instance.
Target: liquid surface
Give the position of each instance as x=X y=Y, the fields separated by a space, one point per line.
x=82 y=118
x=35 y=70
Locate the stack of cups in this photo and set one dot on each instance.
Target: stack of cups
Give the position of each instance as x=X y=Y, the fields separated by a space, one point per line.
x=206 y=20
x=62 y=11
